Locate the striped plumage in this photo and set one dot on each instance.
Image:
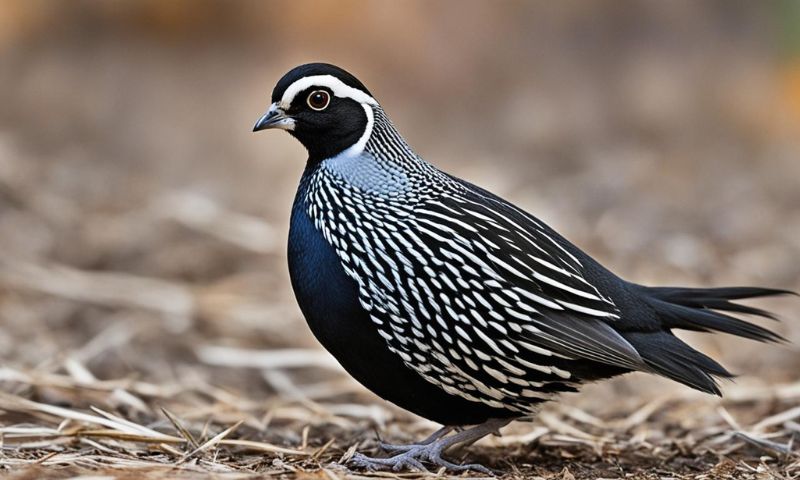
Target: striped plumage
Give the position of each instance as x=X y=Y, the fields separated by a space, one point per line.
x=450 y=301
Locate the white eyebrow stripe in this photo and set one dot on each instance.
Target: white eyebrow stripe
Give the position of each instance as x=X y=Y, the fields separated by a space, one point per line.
x=339 y=89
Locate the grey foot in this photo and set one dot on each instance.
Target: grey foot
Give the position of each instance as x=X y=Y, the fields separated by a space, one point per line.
x=430 y=450
x=390 y=447
x=413 y=458
x=394 y=448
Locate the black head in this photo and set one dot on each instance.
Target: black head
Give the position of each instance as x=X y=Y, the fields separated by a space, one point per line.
x=323 y=106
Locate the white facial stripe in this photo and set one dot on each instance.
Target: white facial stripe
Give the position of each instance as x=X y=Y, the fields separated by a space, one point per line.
x=335 y=85
x=358 y=147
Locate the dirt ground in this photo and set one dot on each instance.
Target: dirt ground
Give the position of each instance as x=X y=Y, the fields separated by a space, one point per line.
x=147 y=326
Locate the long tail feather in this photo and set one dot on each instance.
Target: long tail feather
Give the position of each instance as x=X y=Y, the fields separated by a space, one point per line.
x=669 y=356
x=701 y=309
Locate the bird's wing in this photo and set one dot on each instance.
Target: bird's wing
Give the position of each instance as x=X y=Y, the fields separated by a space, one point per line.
x=478 y=297
x=520 y=274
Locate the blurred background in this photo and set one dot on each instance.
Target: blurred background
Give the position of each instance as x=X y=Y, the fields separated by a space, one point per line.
x=143 y=225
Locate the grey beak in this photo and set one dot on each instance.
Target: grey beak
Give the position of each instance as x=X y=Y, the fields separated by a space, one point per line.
x=274 y=118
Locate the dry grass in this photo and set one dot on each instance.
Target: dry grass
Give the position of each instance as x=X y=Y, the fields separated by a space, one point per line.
x=247 y=413
x=66 y=423
x=147 y=327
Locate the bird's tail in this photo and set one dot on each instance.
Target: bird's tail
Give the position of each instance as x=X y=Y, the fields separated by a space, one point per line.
x=709 y=309
x=698 y=309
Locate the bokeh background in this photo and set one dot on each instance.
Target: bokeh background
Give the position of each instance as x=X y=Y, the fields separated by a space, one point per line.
x=143 y=225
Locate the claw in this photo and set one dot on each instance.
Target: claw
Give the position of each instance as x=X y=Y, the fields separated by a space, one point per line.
x=397 y=463
x=476 y=467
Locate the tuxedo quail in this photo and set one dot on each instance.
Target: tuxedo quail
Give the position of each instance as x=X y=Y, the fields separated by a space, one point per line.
x=450 y=301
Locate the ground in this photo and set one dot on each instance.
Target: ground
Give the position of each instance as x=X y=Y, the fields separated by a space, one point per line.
x=67 y=425
x=147 y=325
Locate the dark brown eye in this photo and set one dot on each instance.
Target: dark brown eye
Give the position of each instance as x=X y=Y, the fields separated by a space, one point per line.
x=319 y=100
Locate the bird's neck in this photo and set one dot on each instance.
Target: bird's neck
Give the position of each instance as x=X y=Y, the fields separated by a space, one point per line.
x=381 y=163
x=386 y=144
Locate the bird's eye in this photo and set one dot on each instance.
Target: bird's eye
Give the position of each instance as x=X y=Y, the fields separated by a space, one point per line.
x=319 y=100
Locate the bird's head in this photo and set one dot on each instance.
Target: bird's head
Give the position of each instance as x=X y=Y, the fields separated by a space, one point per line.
x=326 y=108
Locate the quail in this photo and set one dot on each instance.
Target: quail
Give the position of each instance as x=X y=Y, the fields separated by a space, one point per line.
x=450 y=301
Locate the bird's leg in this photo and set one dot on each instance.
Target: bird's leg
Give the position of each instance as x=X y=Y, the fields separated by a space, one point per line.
x=388 y=447
x=432 y=451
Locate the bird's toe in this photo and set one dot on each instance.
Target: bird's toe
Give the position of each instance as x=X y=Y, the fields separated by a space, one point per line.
x=390 y=447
